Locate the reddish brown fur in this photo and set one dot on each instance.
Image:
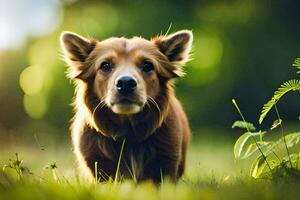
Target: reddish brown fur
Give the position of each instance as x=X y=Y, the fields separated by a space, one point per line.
x=156 y=137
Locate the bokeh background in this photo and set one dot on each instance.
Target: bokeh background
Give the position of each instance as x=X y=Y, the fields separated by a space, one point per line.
x=242 y=49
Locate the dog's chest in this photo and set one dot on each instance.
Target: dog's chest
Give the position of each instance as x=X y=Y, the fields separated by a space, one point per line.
x=133 y=157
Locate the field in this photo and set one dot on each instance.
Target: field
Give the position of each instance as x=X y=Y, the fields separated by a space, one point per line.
x=211 y=173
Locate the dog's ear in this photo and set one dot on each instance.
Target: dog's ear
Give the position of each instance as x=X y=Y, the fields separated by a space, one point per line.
x=76 y=49
x=176 y=47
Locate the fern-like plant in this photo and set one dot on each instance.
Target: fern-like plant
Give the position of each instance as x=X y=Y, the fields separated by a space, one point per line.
x=269 y=161
x=297 y=64
x=291 y=85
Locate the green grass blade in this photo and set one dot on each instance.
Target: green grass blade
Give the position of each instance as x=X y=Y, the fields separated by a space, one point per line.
x=119 y=162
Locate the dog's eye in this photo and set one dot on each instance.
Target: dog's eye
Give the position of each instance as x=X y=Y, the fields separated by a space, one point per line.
x=147 y=66
x=105 y=66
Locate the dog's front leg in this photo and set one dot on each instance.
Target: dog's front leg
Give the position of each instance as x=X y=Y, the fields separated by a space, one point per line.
x=101 y=168
x=97 y=155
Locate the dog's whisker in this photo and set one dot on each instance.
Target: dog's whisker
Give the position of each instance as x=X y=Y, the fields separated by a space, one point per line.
x=99 y=105
x=151 y=100
x=155 y=104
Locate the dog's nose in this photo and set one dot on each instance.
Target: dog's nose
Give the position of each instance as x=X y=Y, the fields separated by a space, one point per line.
x=126 y=85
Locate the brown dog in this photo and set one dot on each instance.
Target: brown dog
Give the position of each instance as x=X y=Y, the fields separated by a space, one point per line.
x=124 y=94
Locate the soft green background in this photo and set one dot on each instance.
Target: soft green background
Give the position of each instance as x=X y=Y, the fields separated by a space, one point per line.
x=242 y=50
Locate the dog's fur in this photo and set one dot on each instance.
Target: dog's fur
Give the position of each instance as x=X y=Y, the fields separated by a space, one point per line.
x=153 y=127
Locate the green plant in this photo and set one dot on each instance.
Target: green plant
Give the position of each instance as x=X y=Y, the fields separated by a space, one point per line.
x=275 y=158
x=53 y=167
x=17 y=166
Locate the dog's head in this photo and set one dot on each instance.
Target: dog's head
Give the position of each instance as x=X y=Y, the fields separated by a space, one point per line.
x=126 y=74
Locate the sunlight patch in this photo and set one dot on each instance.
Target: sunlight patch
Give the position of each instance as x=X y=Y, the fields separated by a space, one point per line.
x=35 y=106
x=31 y=80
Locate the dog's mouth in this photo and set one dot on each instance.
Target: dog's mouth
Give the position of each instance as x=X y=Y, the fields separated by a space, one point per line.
x=126 y=106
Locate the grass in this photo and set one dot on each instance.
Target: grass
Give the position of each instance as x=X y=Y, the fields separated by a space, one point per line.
x=211 y=174
x=240 y=189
